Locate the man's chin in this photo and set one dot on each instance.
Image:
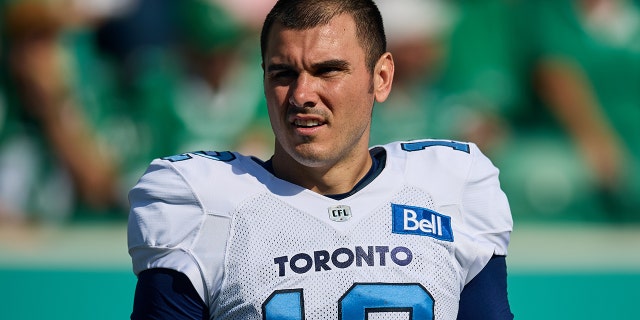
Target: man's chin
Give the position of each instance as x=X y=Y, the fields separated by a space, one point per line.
x=310 y=155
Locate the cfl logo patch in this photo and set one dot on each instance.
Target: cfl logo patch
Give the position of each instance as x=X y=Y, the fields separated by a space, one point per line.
x=340 y=213
x=421 y=222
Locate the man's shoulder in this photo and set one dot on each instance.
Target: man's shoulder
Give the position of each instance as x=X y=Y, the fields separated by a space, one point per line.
x=432 y=151
x=206 y=165
x=197 y=159
x=206 y=177
x=428 y=161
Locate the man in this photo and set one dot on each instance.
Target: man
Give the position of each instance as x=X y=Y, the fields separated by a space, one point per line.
x=326 y=229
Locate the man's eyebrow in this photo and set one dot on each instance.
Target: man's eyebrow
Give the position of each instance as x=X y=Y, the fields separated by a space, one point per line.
x=329 y=64
x=332 y=64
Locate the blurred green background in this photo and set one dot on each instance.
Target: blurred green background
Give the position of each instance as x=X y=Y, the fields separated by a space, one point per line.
x=549 y=89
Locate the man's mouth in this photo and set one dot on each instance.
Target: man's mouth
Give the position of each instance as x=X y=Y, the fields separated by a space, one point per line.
x=307 y=123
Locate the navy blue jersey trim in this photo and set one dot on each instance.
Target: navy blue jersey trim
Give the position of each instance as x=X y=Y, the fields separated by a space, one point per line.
x=379 y=160
x=164 y=294
x=485 y=296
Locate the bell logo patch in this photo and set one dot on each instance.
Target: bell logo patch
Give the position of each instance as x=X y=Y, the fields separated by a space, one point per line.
x=421 y=222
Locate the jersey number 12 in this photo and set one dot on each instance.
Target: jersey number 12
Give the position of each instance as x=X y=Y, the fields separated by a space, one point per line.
x=357 y=303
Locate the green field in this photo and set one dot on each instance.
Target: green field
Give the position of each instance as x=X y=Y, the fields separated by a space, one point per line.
x=556 y=272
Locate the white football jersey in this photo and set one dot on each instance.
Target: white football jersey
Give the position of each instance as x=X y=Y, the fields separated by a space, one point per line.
x=257 y=247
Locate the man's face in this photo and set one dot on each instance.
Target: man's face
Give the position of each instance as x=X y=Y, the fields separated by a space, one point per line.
x=319 y=92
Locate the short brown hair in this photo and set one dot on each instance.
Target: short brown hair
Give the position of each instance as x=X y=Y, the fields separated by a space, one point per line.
x=307 y=14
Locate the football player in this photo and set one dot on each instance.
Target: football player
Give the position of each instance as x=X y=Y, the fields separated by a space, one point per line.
x=327 y=228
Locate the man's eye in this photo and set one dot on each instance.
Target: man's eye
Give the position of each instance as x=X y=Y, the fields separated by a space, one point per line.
x=327 y=71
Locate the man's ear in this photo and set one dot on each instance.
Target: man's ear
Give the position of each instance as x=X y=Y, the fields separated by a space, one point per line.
x=383 y=77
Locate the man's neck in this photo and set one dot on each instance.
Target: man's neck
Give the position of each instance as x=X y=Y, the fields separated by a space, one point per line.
x=376 y=162
x=336 y=178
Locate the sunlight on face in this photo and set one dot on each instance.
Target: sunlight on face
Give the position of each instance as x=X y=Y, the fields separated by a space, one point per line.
x=319 y=92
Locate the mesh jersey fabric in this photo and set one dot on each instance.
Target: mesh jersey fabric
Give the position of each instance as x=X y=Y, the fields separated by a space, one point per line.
x=254 y=245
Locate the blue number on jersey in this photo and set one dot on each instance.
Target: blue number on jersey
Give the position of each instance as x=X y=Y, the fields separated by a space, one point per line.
x=224 y=156
x=358 y=302
x=178 y=157
x=421 y=145
x=365 y=298
x=284 y=305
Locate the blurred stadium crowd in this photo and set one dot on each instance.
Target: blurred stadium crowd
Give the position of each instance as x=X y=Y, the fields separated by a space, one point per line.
x=92 y=90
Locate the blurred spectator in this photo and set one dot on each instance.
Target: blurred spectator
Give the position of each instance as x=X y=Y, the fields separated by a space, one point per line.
x=132 y=31
x=250 y=13
x=417 y=33
x=8 y=211
x=98 y=93
x=54 y=163
x=478 y=80
x=586 y=67
x=208 y=86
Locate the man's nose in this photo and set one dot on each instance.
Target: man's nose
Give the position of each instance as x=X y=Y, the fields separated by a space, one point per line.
x=303 y=91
